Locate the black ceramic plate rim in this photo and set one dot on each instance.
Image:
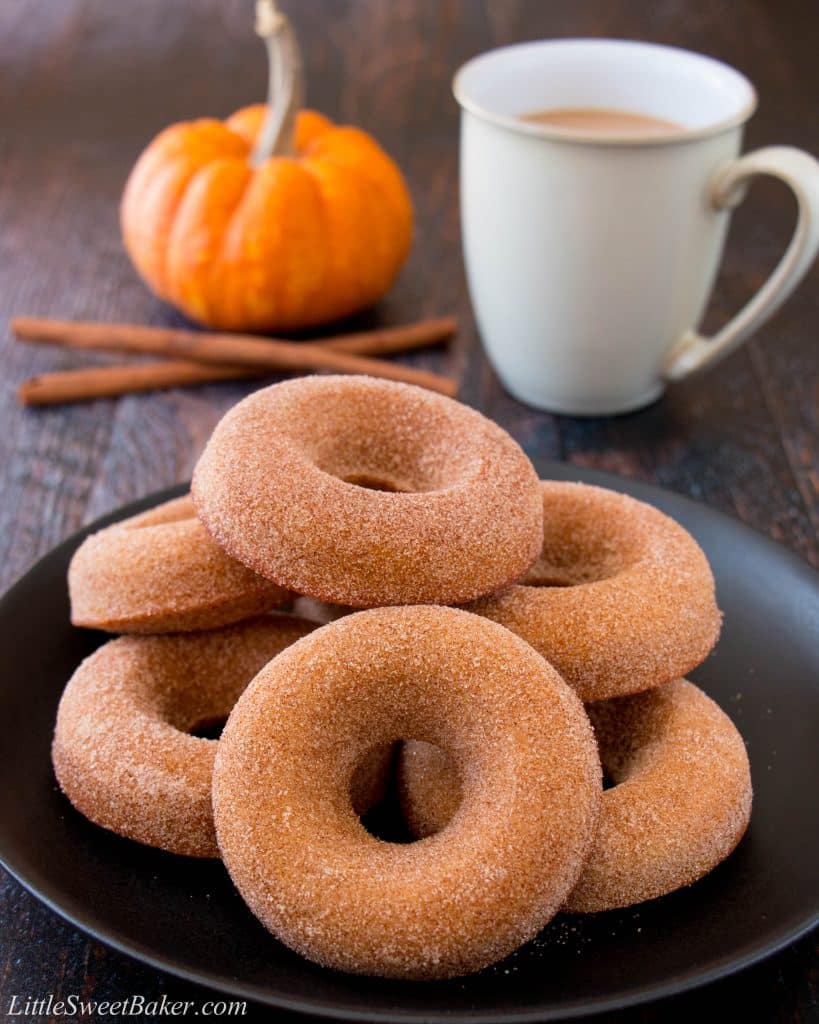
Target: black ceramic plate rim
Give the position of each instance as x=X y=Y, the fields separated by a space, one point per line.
x=694 y=977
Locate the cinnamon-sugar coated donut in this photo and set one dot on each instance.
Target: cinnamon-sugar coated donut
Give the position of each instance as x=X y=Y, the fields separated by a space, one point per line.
x=620 y=600
x=679 y=804
x=123 y=751
x=444 y=906
x=160 y=572
x=366 y=492
x=681 y=799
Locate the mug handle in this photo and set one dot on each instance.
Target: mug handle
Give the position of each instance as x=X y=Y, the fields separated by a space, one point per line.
x=726 y=189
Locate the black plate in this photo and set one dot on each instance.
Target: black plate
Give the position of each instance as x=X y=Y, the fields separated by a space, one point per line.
x=184 y=916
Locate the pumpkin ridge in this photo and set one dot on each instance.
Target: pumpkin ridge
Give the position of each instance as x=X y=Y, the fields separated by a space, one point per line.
x=164 y=287
x=176 y=246
x=324 y=204
x=318 y=126
x=397 y=208
x=398 y=257
x=357 y=277
x=167 y=160
x=170 y=291
x=228 y=293
x=236 y=124
x=272 y=271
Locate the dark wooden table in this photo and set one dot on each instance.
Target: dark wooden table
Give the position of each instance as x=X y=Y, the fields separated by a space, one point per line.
x=84 y=84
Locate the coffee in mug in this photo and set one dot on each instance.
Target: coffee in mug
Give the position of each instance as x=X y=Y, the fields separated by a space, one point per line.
x=602 y=121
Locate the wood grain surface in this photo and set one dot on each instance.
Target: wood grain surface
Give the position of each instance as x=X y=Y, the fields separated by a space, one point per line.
x=84 y=84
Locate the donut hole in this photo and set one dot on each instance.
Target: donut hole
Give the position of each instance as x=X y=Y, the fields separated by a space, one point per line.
x=544 y=575
x=569 y=565
x=391 y=818
x=430 y=788
x=374 y=483
x=208 y=728
x=395 y=468
x=398 y=446
x=373 y=794
x=575 y=553
x=385 y=822
x=626 y=730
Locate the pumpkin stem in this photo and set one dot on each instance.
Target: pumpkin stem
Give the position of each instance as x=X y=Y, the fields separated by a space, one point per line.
x=285 y=83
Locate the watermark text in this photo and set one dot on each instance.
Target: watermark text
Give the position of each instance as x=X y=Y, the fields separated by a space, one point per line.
x=43 y=1007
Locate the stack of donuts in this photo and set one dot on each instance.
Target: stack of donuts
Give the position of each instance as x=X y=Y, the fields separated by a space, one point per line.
x=504 y=655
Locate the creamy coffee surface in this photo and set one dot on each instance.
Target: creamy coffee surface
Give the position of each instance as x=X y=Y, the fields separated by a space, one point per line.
x=602 y=121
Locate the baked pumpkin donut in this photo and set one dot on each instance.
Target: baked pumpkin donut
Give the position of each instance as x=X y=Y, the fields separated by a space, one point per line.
x=679 y=804
x=681 y=799
x=160 y=572
x=620 y=600
x=447 y=905
x=123 y=750
x=365 y=492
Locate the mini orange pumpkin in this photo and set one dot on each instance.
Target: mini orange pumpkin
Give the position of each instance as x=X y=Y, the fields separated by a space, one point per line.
x=272 y=220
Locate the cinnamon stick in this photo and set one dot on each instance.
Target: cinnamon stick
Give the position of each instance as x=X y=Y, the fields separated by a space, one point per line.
x=109 y=381
x=200 y=345
x=226 y=356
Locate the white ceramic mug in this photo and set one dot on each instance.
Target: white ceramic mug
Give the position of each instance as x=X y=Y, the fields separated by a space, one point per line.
x=590 y=258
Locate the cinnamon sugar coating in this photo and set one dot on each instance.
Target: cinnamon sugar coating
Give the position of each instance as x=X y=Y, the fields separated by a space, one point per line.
x=122 y=749
x=444 y=906
x=160 y=572
x=621 y=599
x=366 y=492
x=679 y=804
